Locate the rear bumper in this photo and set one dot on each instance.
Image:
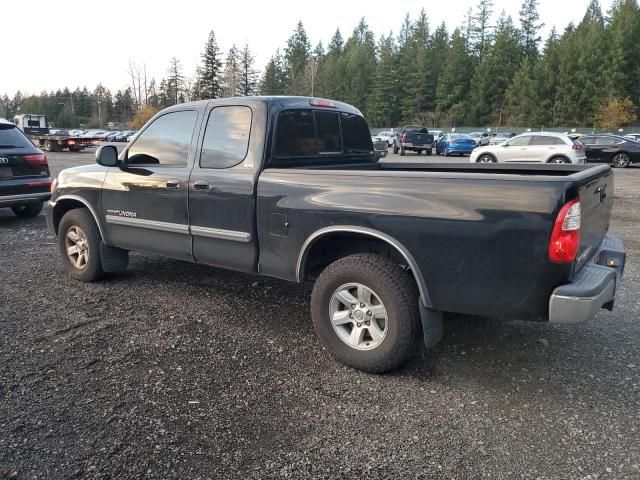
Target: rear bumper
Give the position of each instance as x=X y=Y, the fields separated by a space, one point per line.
x=416 y=146
x=11 y=200
x=592 y=288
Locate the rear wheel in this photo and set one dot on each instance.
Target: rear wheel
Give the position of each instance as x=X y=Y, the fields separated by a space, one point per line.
x=28 y=210
x=402 y=152
x=559 y=160
x=419 y=152
x=621 y=160
x=79 y=245
x=395 y=149
x=365 y=310
x=49 y=146
x=429 y=151
x=486 y=158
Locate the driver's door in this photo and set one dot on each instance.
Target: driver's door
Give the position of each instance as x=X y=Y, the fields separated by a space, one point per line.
x=145 y=202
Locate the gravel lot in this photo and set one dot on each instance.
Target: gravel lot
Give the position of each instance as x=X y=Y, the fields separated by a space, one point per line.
x=175 y=370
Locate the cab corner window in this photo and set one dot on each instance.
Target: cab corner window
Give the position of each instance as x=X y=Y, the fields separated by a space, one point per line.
x=165 y=142
x=226 y=138
x=357 y=138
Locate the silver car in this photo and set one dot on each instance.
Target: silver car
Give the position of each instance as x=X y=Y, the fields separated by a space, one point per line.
x=532 y=147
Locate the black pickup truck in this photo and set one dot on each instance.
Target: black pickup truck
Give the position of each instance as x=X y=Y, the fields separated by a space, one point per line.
x=414 y=138
x=291 y=187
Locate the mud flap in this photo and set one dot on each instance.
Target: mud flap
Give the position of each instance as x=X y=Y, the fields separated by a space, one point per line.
x=113 y=259
x=432 y=326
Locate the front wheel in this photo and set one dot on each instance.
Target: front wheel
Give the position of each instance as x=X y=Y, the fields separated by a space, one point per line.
x=365 y=310
x=28 y=210
x=79 y=245
x=402 y=152
x=395 y=149
x=487 y=159
x=621 y=160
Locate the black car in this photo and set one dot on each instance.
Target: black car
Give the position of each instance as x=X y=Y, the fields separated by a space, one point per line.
x=613 y=149
x=24 y=173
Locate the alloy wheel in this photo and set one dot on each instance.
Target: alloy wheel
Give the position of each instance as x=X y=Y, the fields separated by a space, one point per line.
x=77 y=247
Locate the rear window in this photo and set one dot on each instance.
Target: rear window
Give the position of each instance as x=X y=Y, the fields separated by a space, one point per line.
x=12 y=137
x=416 y=129
x=313 y=133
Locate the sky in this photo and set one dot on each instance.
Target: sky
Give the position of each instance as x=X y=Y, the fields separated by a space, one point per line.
x=80 y=43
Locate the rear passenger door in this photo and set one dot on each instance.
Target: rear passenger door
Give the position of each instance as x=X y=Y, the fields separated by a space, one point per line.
x=222 y=186
x=543 y=147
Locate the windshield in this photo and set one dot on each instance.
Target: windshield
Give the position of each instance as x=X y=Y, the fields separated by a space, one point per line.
x=416 y=129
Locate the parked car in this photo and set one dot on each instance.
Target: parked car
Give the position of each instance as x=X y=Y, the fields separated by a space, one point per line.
x=77 y=132
x=481 y=138
x=263 y=190
x=97 y=135
x=540 y=147
x=123 y=135
x=618 y=151
x=437 y=135
x=24 y=172
x=414 y=138
x=498 y=138
x=455 y=144
x=111 y=137
x=387 y=136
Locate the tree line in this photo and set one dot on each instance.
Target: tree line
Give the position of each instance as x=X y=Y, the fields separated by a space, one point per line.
x=490 y=70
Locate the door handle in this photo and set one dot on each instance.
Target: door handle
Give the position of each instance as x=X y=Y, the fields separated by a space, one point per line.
x=201 y=185
x=173 y=184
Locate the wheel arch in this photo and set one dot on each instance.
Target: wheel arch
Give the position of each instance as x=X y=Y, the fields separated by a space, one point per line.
x=558 y=155
x=65 y=203
x=358 y=237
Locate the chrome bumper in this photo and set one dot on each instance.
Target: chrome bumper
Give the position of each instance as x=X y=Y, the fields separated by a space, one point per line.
x=593 y=287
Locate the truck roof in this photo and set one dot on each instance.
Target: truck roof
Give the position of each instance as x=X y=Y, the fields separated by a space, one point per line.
x=283 y=101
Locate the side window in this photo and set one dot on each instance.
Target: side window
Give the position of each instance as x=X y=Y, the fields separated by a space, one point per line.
x=605 y=141
x=166 y=141
x=520 y=141
x=587 y=140
x=357 y=138
x=546 y=140
x=226 y=138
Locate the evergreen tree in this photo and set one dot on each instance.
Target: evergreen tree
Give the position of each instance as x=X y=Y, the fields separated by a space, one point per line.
x=545 y=78
x=296 y=56
x=231 y=76
x=382 y=102
x=530 y=28
x=454 y=81
x=493 y=75
x=273 y=78
x=209 y=81
x=248 y=74
x=332 y=82
x=360 y=65
x=624 y=67
x=481 y=29
x=174 y=82
x=521 y=96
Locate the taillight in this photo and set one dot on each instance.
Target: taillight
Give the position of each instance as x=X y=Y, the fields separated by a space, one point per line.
x=565 y=237
x=577 y=146
x=404 y=137
x=36 y=159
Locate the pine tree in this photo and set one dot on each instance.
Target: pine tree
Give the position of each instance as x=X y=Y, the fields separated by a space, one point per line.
x=494 y=73
x=545 y=77
x=530 y=28
x=174 y=82
x=359 y=65
x=248 y=74
x=209 y=81
x=481 y=29
x=521 y=95
x=273 y=77
x=333 y=83
x=624 y=68
x=454 y=81
x=231 y=76
x=296 y=56
x=382 y=102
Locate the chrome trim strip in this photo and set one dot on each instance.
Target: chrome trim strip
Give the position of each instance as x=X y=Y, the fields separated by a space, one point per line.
x=149 y=224
x=25 y=196
x=566 y=310
x=221 y=234
x=52 y=204
x=411 y=262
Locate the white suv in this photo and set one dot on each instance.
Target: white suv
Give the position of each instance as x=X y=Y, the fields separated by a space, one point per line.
x=538 y=147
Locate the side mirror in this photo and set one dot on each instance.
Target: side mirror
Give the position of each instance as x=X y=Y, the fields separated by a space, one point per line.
x=107 y=156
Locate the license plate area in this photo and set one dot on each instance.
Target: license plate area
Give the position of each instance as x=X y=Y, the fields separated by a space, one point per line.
x=6 y=172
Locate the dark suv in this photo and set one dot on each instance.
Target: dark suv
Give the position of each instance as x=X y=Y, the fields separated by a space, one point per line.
x=24 y=173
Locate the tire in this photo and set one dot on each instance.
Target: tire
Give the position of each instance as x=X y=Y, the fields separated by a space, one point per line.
x=49 y=146
x=486 y=158
x=402 y=152
x=399 y=335
x=28 y=210
x=429 y=152
x=419 y=152
x=559 y=160
x=446 y=151
x=74 y=149
x=395 y=149
x=84 y=228
x=621 y=160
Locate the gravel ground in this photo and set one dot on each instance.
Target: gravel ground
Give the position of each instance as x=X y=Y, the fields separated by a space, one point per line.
x=175 y=370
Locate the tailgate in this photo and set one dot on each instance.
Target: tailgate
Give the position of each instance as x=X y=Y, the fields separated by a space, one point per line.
x=421 y=138
x=596 y=203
